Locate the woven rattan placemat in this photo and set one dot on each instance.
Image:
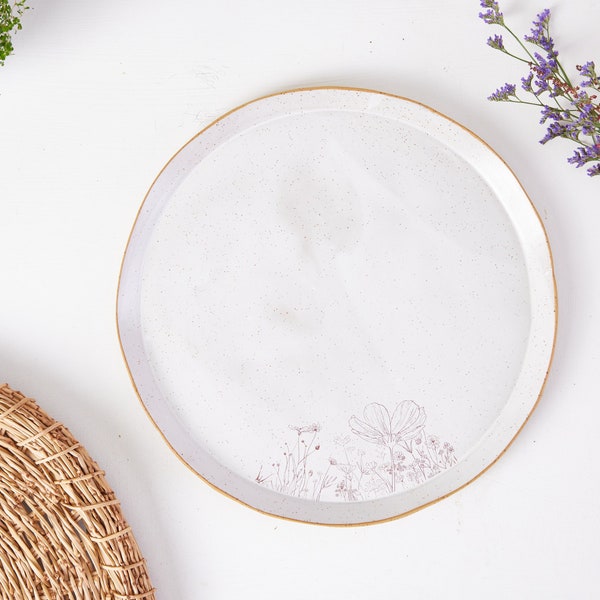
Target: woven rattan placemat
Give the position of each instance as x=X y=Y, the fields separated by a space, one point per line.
x=62 y=534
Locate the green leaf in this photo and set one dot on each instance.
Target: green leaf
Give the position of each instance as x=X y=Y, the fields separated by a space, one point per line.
x=10 y=23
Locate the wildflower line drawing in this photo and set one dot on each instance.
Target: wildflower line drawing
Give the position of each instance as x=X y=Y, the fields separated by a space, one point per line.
x=568 y=110
x=292 y=475
x=384 y=452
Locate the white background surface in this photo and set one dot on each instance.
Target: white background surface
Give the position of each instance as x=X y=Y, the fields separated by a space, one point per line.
x=96 y=99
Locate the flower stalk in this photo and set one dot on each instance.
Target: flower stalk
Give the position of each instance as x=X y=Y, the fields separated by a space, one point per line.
x=569 y=111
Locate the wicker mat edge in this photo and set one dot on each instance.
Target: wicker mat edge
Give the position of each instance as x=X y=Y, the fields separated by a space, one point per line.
x=62 y=532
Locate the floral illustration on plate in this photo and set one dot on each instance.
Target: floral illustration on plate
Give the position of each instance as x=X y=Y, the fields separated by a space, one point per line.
x=383 y=452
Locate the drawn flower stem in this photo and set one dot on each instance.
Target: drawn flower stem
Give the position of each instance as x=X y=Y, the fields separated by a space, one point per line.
x=392 y=469
x=434 y=458
x=322 y=483
x=387 y=483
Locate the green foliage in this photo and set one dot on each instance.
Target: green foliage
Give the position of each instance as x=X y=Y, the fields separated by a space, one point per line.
x=10 y=22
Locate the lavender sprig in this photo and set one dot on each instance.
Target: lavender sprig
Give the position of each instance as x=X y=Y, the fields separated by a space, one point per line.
x=569 y=111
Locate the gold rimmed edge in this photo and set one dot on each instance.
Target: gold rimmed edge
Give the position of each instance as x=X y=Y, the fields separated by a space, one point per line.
x=427 y=504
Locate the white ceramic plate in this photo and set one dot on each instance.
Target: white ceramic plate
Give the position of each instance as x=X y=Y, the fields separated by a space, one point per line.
x=337 y=305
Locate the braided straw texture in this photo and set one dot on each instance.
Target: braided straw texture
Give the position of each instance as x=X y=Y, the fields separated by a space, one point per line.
x=62 y=534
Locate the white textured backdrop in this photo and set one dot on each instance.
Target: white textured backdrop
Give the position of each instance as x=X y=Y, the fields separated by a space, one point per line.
x=98 y=96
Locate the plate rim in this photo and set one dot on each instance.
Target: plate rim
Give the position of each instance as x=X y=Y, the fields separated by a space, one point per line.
x=438 y=114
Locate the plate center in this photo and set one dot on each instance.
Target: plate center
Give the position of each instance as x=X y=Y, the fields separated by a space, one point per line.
x=334 y=305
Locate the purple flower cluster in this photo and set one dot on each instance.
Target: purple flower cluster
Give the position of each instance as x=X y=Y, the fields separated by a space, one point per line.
x=540 y=32
x=569 y=111
x=589 y=70
x=583 y=156
x=545 y=75
x=492 y=16
x=560 y=129
x=504 y=93
x=496 y=42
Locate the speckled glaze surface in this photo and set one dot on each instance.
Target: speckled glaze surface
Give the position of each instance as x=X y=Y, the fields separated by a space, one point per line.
x=337 y=305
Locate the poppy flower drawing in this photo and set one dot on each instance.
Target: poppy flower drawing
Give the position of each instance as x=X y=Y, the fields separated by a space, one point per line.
x=378 y=426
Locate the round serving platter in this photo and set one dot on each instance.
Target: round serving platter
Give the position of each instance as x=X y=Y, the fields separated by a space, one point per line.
x=337 y=305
